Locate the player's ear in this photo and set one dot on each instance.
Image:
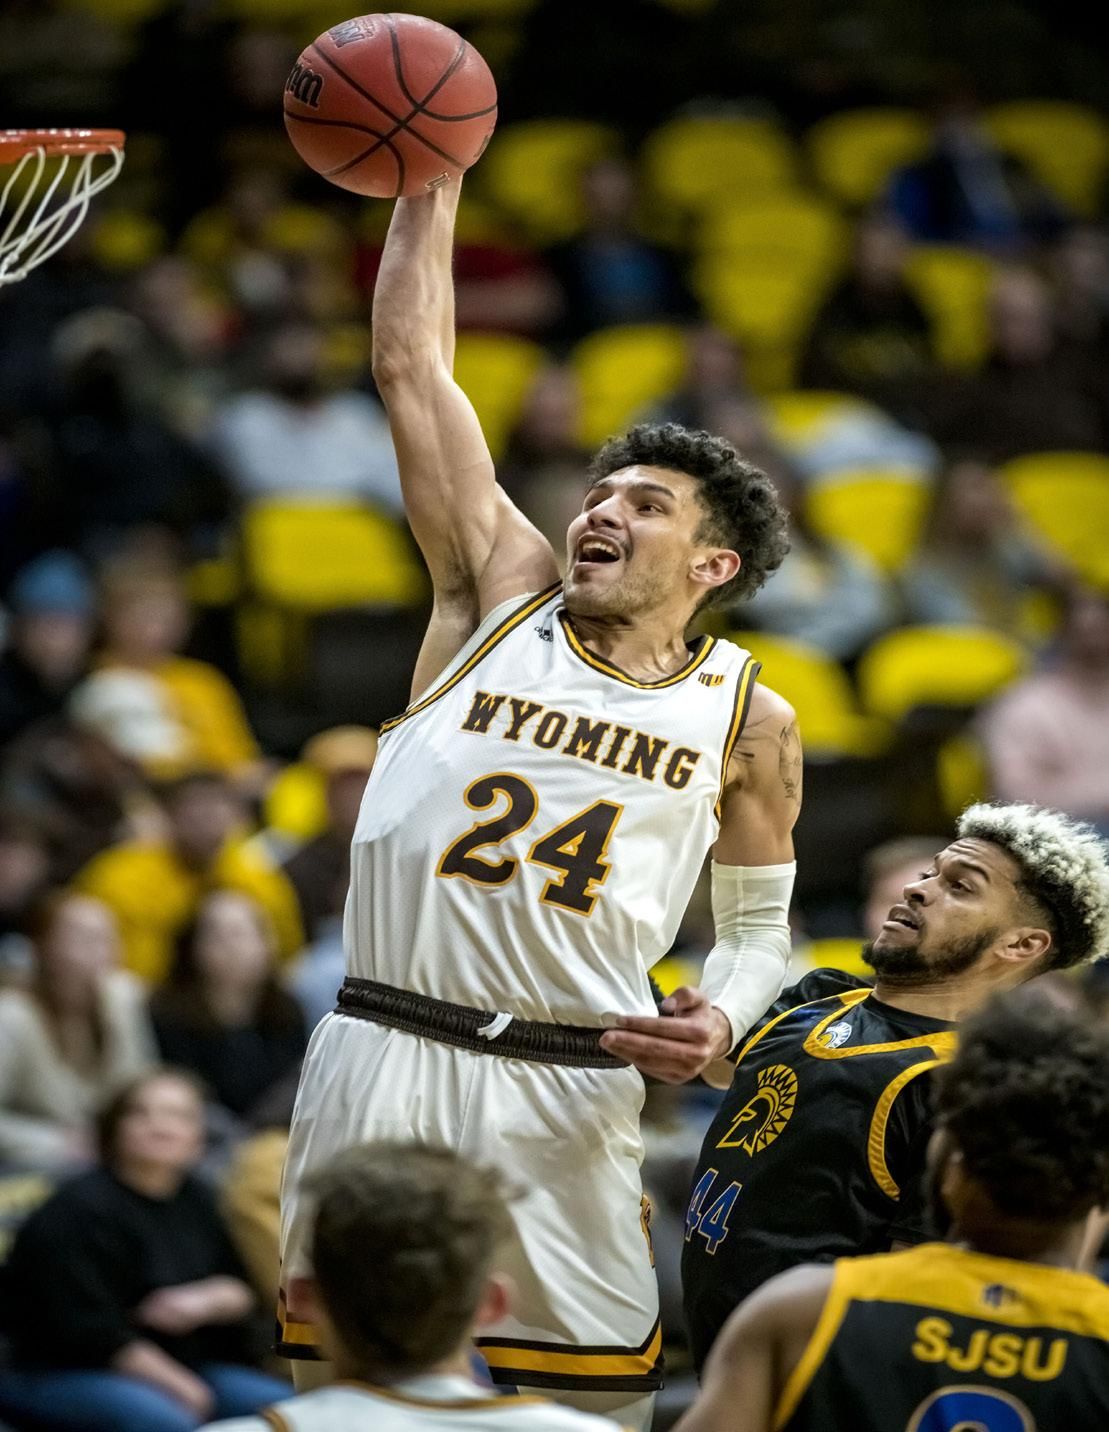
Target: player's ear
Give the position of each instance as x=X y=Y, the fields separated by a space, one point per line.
x=715 y=567
x=495 y=1301
x=1027 y=945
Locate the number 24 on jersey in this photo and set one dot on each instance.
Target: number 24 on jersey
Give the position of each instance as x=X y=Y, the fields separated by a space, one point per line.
x=574 y=850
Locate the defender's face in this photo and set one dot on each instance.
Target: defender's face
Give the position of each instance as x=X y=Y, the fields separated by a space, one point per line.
x=959 y=907
x=632 y=545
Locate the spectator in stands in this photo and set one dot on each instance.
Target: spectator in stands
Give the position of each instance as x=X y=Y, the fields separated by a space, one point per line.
x=75 y=790
x=221 y=1011
x=829 y=596
x=126 y=1305
x=113 y=464
x=545 y=460
x=167 y=712
x=48 y=640
x=1047 y=738
x=404 y=1247
x=975 y=564
x=1080 y=276
x=713 y=376
x=887 y=869
x=291 y=437
x=155 y=887
x=70 y=1039
x=1033 y=394
x=610 y=273
x=966 y=191
x=320 y=869
x=872 y=337
x=24 y=870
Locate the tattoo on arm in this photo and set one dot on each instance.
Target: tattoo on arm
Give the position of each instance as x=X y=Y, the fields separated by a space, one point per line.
x=789 y=762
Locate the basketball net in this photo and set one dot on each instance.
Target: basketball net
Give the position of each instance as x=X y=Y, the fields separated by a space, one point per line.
x=43 y=202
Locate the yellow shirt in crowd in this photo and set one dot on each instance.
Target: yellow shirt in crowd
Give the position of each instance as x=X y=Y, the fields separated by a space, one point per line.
x=154 y=894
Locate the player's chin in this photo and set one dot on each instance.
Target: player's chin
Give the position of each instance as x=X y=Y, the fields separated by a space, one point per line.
x=592 y=587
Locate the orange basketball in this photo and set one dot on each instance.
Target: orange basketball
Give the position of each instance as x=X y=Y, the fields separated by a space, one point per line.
x=390 y=105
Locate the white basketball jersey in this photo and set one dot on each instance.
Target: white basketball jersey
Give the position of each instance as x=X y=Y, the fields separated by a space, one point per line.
x=535 y=823
x=416 y=1405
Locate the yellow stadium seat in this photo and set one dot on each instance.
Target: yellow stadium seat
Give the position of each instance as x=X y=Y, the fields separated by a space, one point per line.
x=1066 y=147
x=880 y=512
x=836 y=954
x=533 y=171
x=802 y=416
x=623 y=369
x=764 y=303
x=936 y=666
x=672 y=972
x=295 y=805
x=953 y=286
x=854 y=153
x=817 y=688
x=311 y=558
x=805 y=228
x=496 y=372
x=693 y=162
x=1064 y=496
x=962 y=774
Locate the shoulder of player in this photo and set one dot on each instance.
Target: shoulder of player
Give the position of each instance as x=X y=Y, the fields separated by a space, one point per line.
x=767 y=714
x=789 y=1304
x=820 y=983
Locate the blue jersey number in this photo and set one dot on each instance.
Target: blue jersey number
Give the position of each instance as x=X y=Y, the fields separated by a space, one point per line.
x=710 y=1222
x=956 y=1408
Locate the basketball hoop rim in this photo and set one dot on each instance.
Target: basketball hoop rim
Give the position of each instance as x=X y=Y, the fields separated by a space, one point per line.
x=15 y=143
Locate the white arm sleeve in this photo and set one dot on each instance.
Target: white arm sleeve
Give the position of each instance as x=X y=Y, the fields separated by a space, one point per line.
x=746 y=968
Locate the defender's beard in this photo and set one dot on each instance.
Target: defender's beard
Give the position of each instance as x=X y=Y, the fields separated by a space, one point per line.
x=907 y=966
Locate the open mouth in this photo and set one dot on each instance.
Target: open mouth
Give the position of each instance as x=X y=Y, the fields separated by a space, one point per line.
x=902 y=915
x=597 y=552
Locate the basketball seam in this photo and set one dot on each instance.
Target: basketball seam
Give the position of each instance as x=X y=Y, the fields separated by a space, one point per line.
x=382 y=141
x=421 y=104
x=397 y=121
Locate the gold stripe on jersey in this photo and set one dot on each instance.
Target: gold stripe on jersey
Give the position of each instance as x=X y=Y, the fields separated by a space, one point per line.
x=876 y=1139
x=744 y=690
x=843 y=998
x=550 y=1358
x=816 y=1350
x=942 y=1278
x=942 y=1042
x=495 y=637
x=610 y=669
x=274 y=1419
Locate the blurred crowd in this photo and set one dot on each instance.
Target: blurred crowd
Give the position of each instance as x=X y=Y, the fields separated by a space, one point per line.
x=208 y=597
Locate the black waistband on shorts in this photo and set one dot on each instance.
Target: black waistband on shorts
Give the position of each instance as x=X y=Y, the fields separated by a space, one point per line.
x=575 y=1045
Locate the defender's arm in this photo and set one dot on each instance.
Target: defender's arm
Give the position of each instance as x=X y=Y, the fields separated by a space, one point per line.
x=479 y=548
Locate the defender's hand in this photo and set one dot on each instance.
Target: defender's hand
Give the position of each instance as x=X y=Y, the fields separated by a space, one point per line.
x=690 y=1034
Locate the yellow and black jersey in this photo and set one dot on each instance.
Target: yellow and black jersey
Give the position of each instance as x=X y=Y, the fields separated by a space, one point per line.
x=817 y=1151
x=936 y=1339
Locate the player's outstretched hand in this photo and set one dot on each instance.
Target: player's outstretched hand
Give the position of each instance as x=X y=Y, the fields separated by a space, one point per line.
x=689 y=1035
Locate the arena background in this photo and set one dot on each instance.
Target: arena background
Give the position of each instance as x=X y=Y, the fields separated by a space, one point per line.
x=864 y=241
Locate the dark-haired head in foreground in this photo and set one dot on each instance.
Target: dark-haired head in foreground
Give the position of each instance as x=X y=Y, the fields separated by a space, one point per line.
x=673 y=520
x=1020 y=1156
x=403 y=1249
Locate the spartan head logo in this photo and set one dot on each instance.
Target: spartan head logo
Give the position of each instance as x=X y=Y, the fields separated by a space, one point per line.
x=766 y=1112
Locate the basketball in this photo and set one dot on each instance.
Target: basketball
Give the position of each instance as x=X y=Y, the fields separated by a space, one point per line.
x=390 y=105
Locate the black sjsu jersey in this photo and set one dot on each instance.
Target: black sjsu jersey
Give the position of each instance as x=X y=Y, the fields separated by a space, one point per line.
x=938 y=1338
x=817 y=1150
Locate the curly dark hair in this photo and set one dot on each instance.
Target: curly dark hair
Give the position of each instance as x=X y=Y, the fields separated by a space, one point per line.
x=741 y=506
x=1026 y=1099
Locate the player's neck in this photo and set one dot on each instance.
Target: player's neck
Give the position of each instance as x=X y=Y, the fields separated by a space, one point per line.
x=648 y=648
x=348 y=1369
x=952 y=997
x=1025 y=1240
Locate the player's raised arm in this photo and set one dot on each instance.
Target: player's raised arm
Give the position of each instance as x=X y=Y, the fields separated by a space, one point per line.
x=479 y=548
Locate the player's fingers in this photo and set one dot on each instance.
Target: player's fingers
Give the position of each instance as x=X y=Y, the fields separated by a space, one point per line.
x=660 y=1057
x=684 y=999
x=681 y=1031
